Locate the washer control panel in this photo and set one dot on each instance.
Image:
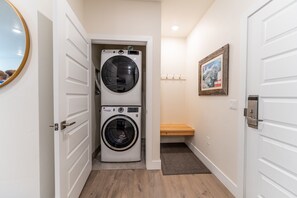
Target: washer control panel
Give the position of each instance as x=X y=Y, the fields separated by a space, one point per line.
x=108 y=109
x=121 y=110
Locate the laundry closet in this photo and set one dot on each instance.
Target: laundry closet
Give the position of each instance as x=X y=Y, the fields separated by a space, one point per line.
x=136 y=24
x=119 y=105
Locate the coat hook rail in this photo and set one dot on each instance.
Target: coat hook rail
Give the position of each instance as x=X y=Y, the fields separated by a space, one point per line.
x=173 y=77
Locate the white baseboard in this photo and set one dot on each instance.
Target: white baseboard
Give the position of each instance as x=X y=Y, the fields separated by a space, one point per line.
x=153 y=165
x=230 y=185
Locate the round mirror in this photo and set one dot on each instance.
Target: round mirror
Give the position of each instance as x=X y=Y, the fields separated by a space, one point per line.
x=14 y=42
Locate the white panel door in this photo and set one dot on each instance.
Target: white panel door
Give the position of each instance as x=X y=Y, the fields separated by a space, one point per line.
x=271 y=152
x=71 y=102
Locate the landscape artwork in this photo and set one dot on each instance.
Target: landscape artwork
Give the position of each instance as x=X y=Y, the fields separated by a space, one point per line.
x=213 y=73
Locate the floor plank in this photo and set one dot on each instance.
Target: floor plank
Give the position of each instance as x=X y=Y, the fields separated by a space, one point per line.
x=152 y=184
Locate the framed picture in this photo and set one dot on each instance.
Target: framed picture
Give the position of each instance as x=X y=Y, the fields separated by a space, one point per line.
x=213 y=73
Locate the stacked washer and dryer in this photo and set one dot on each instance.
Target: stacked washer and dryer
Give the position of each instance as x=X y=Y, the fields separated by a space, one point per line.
x=121 y=87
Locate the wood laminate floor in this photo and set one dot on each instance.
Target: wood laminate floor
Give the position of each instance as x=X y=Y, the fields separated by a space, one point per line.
x=151 y=184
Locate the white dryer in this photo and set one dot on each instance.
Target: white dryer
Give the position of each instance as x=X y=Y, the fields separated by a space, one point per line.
x=120 y=134
x=121 y=77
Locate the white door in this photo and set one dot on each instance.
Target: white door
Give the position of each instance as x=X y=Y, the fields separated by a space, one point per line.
x=271 y=150
x=71 y=102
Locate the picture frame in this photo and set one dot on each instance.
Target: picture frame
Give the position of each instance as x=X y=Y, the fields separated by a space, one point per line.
x=214 y=73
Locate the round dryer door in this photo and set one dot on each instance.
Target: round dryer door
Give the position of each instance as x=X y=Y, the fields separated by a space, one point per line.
x=120 y=74
x=119 y=133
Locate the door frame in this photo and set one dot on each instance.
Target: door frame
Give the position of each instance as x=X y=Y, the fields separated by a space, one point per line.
x=241 y=156
x=148 y=42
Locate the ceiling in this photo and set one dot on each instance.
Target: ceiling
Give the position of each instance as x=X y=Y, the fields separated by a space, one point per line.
x=183 y=13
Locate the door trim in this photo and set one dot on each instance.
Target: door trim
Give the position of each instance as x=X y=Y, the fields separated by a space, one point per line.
x=241 y=158
x=151 y=164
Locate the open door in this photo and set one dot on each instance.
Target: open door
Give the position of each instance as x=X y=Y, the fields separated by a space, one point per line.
x=73 y=160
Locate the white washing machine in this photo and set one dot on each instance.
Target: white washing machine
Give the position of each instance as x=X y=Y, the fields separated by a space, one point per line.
x=121 y=77
x=120 y=133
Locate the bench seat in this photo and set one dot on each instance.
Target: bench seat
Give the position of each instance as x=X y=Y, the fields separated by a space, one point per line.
x=176 y=130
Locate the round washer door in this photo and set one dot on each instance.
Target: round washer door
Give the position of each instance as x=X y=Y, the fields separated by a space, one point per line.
x=119 y=133
x=120 y=74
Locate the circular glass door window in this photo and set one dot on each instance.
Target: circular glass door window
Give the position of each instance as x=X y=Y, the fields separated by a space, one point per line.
x=119 y=133
x=120 y=74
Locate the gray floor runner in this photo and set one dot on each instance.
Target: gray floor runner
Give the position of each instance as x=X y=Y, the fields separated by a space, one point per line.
x=178 y=159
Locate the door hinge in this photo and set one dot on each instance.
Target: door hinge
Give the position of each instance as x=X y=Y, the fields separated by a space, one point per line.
x=55 y=126
x=245 y=112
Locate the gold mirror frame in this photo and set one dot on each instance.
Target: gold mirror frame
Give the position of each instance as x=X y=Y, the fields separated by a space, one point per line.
x=26 y=54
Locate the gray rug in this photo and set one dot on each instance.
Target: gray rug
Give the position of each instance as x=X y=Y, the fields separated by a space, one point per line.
x=178 y=159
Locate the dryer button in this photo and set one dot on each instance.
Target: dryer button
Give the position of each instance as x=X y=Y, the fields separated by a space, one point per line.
x=121 y=110
x=121 y=52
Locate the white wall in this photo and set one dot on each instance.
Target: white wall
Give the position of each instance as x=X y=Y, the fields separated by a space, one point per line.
x=19 y=119
x=173 y=62
x=131 y=18
x=78 y=7
x=210 y=115
x=20 y=122
x=46 y=8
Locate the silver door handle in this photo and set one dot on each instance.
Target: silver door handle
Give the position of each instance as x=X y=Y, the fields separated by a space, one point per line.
x=64 y=124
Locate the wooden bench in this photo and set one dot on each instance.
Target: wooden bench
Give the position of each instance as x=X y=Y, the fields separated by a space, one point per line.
x=176 y=130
